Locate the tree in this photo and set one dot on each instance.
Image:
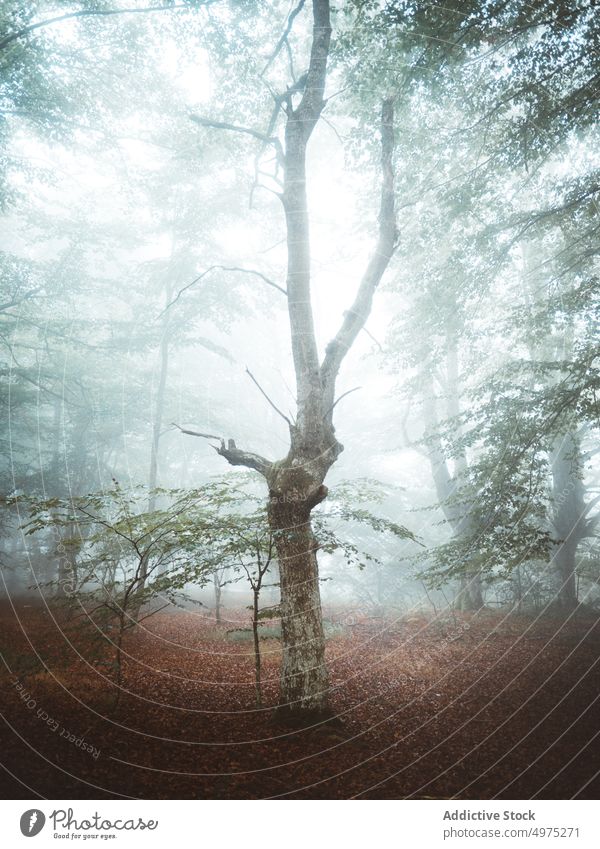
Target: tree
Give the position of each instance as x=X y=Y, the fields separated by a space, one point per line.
x=127 y=557
x=242 y=538
x=245 y=544
x=296 y=482
x=494 y=185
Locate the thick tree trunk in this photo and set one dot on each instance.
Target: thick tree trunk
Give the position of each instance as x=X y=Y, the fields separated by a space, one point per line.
x=470 y=594
x=304 y=677
x=565 y=564
x=568 y=517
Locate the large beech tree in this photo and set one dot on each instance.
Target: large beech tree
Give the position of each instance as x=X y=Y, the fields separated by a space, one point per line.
x=296 y=482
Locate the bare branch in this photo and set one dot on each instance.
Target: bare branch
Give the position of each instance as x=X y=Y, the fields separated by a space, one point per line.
x=258 y=185
x=590 y=506
x=197 y=279
x=234 y=455
x=276 y=245
x=197 y=433
x=337 y=401
x=290 y=56
x=264 y=394
x=369 y=334
x=333 y=128
x=235 y=128
x=408 y=442
x=147 y=616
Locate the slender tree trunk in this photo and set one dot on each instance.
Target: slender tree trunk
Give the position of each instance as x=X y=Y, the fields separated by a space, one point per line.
x=296 y=484
x=118 y=660
x=160 y=401
x=517 y=585
x=470 y=594
x=217 y=586
x=137 y=601
x=255 y=634
x=568 y=499
x=156 y=429
x=68 y=549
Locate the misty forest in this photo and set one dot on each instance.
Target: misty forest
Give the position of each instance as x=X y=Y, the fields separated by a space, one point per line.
x=300 y=387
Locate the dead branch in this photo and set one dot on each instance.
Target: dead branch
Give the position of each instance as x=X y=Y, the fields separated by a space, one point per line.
x=197 y=279
x=236 y=128
x=370 y=335
x=197 y=433
x=264 y=394
x=337 y=401
x=234 y=455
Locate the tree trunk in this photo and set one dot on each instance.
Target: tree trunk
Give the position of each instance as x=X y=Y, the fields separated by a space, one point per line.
x=255 y=635
x=160 y=401
x=517 y=588
x=473 y=596
x=470 y=595
x=68 y=549
x=304 y=677
x=217 y=586
x=296 y=482
x=568 y=521
x=568 y=515
x=447 y=486
x=139 y=586
x=156 y=427
x=565 y=564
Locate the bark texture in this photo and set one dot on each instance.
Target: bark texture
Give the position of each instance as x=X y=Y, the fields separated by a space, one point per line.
x=304 y=678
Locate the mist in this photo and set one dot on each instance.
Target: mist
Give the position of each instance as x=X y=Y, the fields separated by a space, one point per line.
x=300 y=374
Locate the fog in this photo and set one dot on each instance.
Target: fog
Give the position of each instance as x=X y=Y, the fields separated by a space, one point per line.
x=299 y=334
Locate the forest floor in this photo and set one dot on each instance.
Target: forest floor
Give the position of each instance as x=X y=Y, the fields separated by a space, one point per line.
x=466 y=706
